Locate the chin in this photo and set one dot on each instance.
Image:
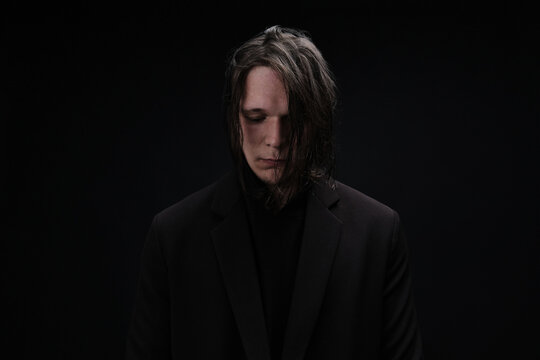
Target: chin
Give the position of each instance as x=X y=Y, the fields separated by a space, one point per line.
x=268 y=178
x=268 y=181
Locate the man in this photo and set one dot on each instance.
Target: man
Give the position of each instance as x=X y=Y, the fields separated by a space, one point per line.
x=276 y=260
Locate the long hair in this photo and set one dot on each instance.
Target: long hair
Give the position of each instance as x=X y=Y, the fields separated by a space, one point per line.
x=311 y=92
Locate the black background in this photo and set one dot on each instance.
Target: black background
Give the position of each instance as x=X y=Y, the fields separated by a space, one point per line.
x=113 y=113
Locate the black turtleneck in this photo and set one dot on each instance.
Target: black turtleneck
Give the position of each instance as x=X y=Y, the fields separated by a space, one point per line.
x=276 y=241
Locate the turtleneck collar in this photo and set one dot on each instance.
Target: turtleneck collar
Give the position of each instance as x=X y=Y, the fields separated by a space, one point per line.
x=257 y=192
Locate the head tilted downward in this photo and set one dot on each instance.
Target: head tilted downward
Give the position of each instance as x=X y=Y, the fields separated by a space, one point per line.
x=279 y=110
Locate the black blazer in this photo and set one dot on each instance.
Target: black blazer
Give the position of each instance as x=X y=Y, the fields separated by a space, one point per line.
x=198 y=294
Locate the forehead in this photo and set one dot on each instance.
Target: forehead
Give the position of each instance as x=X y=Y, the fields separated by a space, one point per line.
x=264 y=90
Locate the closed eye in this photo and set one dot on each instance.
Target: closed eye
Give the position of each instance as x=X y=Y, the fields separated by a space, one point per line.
x=253 y=115
x=254 y=119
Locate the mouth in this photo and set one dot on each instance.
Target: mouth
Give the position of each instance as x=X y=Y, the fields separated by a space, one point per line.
x=272 y=162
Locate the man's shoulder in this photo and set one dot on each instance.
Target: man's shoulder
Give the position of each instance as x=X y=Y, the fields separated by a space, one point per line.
x=357 y=202
x=193 y=205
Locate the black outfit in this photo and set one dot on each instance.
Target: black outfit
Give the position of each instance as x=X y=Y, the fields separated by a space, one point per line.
x=200 y=295
x=276 y=240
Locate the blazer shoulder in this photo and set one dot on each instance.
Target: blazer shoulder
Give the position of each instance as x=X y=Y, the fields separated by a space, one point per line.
x=191 y=207
x=358 y=203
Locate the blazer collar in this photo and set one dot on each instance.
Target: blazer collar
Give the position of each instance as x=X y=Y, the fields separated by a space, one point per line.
x=226 y=195
x=235 y=254
x=228 y=192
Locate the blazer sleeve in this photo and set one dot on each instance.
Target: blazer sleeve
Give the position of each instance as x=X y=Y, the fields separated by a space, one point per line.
x=401 y=336
x=149 y=333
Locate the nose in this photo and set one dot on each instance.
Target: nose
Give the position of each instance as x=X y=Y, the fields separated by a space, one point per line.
x=274 y=132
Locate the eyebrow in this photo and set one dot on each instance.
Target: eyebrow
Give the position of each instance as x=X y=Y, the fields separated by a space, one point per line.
x=256 y=111
x=252 y=111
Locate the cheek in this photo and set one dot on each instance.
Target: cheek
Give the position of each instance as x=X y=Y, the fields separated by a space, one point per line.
x=252 y=134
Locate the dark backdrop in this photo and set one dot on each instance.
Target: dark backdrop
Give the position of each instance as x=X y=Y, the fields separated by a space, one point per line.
x=113 y=113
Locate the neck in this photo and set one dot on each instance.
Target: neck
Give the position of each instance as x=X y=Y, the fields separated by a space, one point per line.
x=271 y=196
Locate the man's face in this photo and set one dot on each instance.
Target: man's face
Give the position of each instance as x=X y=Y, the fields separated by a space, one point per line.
x=264 y=109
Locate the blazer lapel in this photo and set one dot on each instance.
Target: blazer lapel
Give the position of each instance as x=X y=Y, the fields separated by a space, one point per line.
x=320 y=239
x=232 y=243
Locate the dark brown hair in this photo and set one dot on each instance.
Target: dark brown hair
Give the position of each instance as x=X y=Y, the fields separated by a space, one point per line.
x=311 y=93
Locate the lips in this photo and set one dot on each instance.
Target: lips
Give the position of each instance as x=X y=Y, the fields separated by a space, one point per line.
x=272 y=162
